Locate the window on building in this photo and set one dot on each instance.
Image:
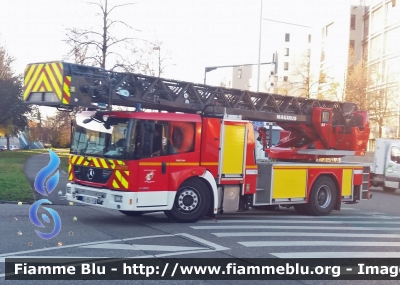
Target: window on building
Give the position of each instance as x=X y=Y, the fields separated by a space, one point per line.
x=286 y=66
x=285 y=79
x=239 y=73
x=352 y=45
x=286 y=51
x=353 y=22
x=309 y=38
x=287 y=37
x=393 y=3
x=322 y=55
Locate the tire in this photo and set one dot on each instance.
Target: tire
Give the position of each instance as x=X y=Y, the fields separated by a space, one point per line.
x=132 y=213
x=191 y=202
x=389 y=190
x=322 y=197
x=301 y=209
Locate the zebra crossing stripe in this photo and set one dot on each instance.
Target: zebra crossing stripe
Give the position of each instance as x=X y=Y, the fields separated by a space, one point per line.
x=347 y=254
x=302 y=234
x=306 y=222
x=235 y=227
x=316 y=243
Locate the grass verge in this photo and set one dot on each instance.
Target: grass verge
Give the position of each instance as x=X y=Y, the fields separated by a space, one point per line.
x=14 y=186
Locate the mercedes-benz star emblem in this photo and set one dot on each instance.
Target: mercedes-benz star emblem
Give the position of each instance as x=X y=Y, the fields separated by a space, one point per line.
x=90 y=173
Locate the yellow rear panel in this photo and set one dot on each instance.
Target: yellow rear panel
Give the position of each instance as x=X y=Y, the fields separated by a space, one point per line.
x=347 y=183
x=289 y=183
x=233 y=150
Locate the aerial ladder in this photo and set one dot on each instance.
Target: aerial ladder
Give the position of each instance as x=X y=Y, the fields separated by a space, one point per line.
x=222 y=121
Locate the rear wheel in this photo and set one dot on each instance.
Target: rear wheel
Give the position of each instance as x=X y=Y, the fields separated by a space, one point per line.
x=322 y=197
x=132 y=213
x=191 y=202
x=389 y=189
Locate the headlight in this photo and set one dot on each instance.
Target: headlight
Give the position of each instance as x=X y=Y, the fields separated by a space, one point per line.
x=68 y=189
x=118 y=199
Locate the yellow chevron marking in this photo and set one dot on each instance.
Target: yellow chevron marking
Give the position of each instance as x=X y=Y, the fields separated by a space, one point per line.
x=96 y=163
x=121 y=179
x=103 y=163
x=74 y=158
x=112 y=164
x=32 y=80
x=115 y=184
x=79 y=162
x=53 y=80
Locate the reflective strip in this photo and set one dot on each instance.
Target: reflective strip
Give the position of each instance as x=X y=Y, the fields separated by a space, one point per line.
x=103 y=163
x=251 y=171
x=121 y=179
x=43 y=78
x=358 y=171
x=96 y=163
x=66 y=90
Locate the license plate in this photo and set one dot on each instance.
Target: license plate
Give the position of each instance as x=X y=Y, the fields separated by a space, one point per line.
x=89 y=200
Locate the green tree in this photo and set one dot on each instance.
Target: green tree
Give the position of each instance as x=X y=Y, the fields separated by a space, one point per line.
x=13 y=112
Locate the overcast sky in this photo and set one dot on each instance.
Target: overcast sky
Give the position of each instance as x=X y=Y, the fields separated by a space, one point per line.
x=198 y=33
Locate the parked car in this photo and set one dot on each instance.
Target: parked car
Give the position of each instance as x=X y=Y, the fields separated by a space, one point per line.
x=3 y=147
x=14 y=147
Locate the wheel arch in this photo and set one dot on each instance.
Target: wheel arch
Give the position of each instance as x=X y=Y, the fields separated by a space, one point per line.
x=209 y=179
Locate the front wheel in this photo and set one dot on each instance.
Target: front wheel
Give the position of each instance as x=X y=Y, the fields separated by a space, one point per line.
x=322 y=197
x=191 y=202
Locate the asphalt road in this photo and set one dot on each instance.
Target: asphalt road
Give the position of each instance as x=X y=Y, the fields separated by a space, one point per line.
x=368 y=229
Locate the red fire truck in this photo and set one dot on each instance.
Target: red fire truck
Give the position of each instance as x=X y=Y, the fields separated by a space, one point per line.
x=191 y=152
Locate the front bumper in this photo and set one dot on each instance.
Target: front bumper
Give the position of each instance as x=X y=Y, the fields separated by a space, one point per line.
x=110 y=199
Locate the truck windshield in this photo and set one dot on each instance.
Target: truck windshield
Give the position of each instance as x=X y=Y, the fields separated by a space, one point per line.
x=100 y=139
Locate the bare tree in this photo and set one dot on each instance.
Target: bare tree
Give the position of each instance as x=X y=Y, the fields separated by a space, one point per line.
x=153 y=60
x=97 y=44
x=374 y=91
x=308 y=85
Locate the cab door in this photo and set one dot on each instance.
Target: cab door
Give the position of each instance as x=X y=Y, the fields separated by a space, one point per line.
x=392 y=167
x=152 y=176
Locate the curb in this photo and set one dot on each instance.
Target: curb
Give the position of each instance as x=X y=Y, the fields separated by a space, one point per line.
x=14 y=202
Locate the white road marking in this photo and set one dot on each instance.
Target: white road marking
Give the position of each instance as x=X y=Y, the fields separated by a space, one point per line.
x=316 y=243
x=303 y=234
x=226 y=217
x=294 y=228
x=203 y=242
x=141 y=247
x=305 y=222
x=77 y=245
x=335 y=254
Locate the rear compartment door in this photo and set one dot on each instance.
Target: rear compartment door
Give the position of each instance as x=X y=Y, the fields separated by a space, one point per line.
x=392 y=166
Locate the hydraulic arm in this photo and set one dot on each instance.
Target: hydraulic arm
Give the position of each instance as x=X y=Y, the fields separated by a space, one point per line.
x=319 y=128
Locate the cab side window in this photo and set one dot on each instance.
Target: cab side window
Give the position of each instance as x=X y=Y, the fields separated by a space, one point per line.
x=181 y=137
x=395 y=154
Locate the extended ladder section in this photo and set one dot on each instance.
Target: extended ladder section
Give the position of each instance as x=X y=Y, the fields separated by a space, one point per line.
x=315 y=125
x=67 y=85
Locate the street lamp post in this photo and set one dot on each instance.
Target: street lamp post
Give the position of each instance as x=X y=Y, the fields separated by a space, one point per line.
x=159 y=59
